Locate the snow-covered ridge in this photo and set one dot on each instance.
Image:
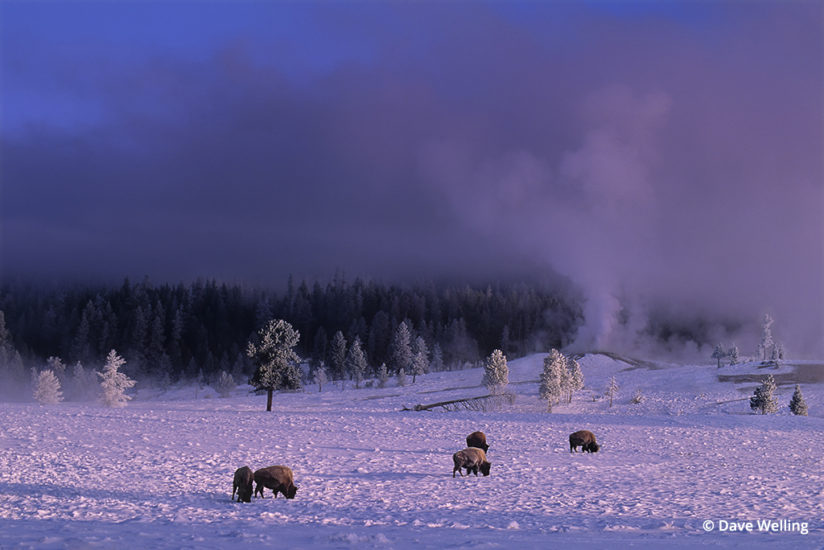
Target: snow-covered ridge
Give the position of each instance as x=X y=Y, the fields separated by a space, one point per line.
x=158 y=473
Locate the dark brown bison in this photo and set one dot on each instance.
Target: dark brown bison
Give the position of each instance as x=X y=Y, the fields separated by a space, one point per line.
x=472 y=459
x=584 y=439
x=243 y=484
x=276 y=478
x=477 y=440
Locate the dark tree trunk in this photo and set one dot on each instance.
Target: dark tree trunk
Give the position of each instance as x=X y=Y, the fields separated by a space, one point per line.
x=269 y=393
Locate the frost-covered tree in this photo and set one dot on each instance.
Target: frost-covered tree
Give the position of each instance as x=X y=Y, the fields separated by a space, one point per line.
x=612 y=390
x=275 y=359
x=320 y=376
x=84 y=383
x=767 y=346
x=114 y=383
x=56 y=365
x=401 y=377
x=496 y=372
x=383 y=376
x=718 y=354
x=552 y=375
x=356 y=362
x=225 y=384
x=437 y=359
x=797 y=404
x=401 y=348
x=733 y=355
x=337 y=356
x=47 y=390
x=763 y=399
x=574 y=379
x=420 y=359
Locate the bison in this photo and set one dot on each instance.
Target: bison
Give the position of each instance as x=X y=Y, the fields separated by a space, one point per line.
x=276 y=478
x=584 y=439
x=243 y=484
x=477 y=440
x=472 y=459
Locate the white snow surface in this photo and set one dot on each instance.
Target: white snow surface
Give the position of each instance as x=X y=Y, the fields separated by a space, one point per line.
x=157 y=474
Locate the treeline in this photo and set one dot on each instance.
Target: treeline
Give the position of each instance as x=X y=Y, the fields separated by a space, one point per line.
x=186 y=331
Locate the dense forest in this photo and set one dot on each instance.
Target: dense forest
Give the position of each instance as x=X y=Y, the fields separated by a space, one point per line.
x=172 y=332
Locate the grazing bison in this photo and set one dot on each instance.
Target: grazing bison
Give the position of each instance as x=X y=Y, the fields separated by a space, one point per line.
x=276 y=478
x=472 y=459
x=584 y=439
x=477 y=440
x=243 y=484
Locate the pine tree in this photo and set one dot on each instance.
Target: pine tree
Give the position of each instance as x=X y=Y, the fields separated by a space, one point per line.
x=356 y=362
x=84 y=383
x=337 y=356
x=767 y=346
x=550 y=388
x=496 y=372
x=401 y=377
x=612 y=390
x=275 y=359
x=733 y=355
x=763 y=399
x=401 y=348
x=320 y=376
x=575 y=377
x=383 y=376
x=420 y=360
x=437 y=359
x=114 y=383
x=718 y=353
x=47 y=390
x=797 y=404
x=225 y=384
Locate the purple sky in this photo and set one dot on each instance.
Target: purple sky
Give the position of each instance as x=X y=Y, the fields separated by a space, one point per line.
x=659 y=153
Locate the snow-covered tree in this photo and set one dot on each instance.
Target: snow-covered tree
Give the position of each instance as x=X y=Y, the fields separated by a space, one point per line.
x=718 y=354
x=401 y=377
x=401 y=348
x=763 y=399
x=612 y=390
x=733 y=355
x=275 y=359
x=320 y=376
x=551 y=386
x=84 y=383
x=420 y=359
x=383 y=376
x=56 y=365
x=47 y=390
x=767 y=346
x=225 y=384
x=574 y=379
x=496 y=372
x=356 y=362
x=797 y=404
x=113 y=382
x=337 y=356
x=437 y=359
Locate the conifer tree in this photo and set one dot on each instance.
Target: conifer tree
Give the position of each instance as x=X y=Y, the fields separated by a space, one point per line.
x=383 y=376
x=356 y=362
x=114 y=383
x=337 y=356
x=47 y=390
x=733 y=355
x=767 y=346
x=320 y=376
x=401 y=377
x=496 y=372
x=551 y=378
x=797 y=404
x=420 y=359
x=225 y=384
x=612 y=390
x=763 y=399
x=575 y=377
x=401 y=348
x=275 y=359
x=718 y=353
x=437 y=358
x=84 y=383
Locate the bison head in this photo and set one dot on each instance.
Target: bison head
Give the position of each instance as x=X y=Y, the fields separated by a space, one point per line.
x=291 y=491
x=485 y=468
x=591 y=447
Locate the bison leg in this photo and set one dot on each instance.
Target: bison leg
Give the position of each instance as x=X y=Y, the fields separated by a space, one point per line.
x=259 y=489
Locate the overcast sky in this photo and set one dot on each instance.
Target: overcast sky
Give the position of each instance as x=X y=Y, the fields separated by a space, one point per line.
x=664 y=152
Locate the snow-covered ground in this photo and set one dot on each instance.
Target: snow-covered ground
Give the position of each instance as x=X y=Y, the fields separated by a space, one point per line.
x=158 y=473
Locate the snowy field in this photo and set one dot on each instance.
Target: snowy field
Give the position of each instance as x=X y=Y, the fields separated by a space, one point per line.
x=158 y=473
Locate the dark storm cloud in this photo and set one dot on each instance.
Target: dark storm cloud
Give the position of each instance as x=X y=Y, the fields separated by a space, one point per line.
x=660 y=155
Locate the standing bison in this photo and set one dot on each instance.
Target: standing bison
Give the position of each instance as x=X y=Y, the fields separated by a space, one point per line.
x=472 y=459
x=584 y=439
x=276 y=478
x=243 y=484
x=477 y=440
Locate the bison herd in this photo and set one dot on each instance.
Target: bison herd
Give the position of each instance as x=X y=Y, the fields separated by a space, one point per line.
x=280 y=479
